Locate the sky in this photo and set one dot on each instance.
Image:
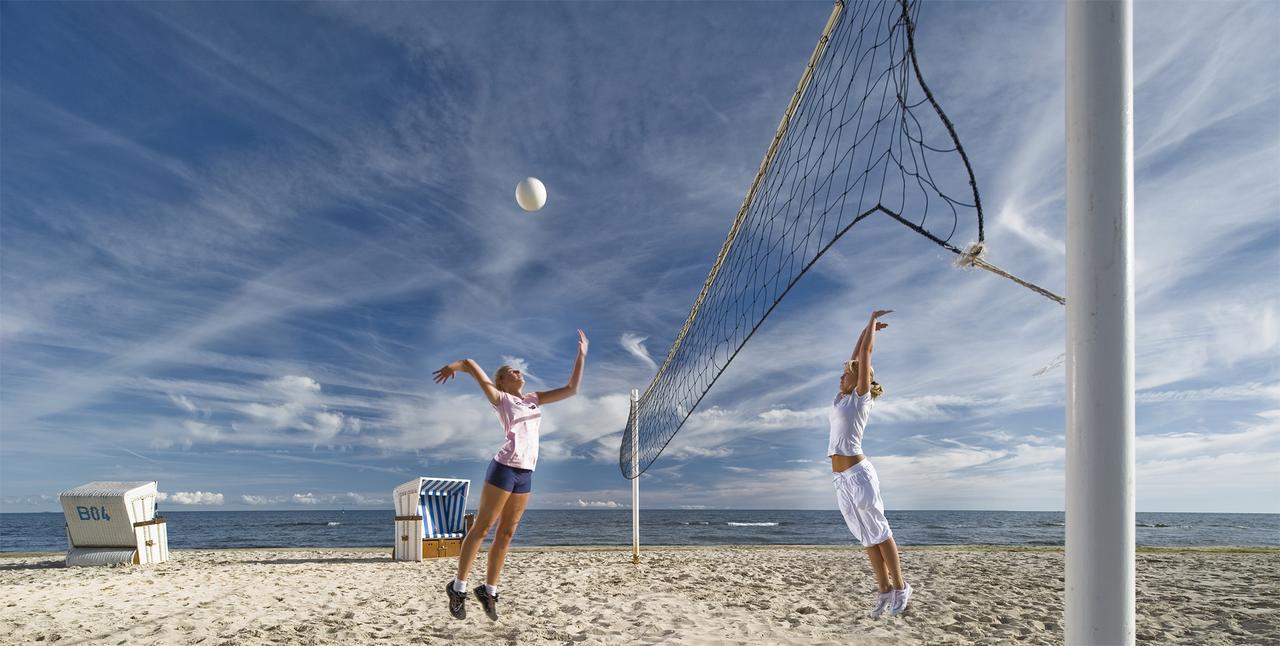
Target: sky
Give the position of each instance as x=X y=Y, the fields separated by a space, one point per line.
x=236 y=240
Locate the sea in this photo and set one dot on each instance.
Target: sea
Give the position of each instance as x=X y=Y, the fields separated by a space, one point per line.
x=40 y=532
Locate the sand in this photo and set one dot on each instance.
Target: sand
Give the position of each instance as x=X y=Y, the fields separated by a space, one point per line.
x=700 y=595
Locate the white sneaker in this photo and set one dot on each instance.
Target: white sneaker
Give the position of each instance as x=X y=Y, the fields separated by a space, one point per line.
x=900 y=600
x=883 y=601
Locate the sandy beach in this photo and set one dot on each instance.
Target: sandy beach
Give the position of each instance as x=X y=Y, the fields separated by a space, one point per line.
x=702 y=595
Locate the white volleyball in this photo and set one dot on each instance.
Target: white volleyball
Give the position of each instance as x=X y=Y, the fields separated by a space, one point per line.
x=531 y=195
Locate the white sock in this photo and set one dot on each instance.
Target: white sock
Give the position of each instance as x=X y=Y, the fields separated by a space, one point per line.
x=459 y=586
x=491 y=589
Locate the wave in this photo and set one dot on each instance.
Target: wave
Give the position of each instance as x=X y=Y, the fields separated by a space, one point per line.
x=310 y=524
x=1152 y=525
x=750 y=524
x=333 y=523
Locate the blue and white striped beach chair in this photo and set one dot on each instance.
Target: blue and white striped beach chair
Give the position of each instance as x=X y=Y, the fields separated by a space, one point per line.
x=431 y=518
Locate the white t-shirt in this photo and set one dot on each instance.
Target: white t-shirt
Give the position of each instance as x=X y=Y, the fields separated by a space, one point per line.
x=848 y=417
x=521 y=418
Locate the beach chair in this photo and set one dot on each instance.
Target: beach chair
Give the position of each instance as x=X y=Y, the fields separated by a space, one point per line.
x=431 y=518
x=114 y=522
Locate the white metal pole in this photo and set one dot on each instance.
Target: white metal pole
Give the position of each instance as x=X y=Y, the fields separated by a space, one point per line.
x=1100 y=351
x=635 y=477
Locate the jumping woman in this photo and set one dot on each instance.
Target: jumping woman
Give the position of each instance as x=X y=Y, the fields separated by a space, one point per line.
x=509 y=478
x=857 y=486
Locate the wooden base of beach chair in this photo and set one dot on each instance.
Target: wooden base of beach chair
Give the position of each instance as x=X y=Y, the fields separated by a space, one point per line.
x=434 y=548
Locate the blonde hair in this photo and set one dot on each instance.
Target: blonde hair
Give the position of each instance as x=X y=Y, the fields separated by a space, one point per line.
x=502 y=370
x=876 y=389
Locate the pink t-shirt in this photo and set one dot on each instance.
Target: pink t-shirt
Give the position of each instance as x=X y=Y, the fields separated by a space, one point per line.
x=520 y=419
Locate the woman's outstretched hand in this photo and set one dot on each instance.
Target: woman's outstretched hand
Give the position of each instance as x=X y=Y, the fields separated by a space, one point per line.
x=445 y=374
x=875 y=316
x=582 y=342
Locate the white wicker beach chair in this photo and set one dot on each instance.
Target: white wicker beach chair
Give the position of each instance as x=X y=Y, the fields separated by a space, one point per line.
x=114 y=522
x=431 y=518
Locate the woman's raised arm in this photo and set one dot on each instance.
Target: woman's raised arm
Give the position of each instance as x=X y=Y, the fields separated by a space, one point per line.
x=472 y=368
x=862 y=351
x=570 y=389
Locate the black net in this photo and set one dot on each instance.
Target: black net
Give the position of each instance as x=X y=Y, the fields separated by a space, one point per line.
x=862 y=135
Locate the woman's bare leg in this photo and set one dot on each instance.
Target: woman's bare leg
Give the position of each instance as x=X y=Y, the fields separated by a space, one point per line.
x=877 y=566
x=889 y=553
x=507 y=523
x=492 y=502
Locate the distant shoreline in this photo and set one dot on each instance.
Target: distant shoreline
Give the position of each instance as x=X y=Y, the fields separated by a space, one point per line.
x=959 y=547
x=572 y=528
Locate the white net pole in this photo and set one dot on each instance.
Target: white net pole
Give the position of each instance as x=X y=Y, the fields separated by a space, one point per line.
x=635 y=480
x=1100 y=350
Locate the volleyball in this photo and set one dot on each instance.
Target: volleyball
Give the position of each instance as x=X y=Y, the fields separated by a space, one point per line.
x=531 y=195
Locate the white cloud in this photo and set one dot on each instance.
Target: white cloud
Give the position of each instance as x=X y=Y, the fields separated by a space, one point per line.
x=275 y=417
x=327 y=425
x=1238 y=392
x=363 y=499
x=258 y=501
x=186 y=404
x=295 y=387
x=519 y=363
x=787 y=418
x=309 y=499
x=598 y=503
x=28 y=501
x=1011 y=219
x=297 y=413
x=929 y=408
x=1180 y=344
x=190 y=498
x=634 y=344
x=202 y=431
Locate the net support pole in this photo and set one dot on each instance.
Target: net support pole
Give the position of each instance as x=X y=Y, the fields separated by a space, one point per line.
x=1100 y=321
x=635 y=478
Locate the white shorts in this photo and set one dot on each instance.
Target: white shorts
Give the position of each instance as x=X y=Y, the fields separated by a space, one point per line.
x=858 y=494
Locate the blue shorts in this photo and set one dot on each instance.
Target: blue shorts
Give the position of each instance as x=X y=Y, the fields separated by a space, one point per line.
x=509 y=478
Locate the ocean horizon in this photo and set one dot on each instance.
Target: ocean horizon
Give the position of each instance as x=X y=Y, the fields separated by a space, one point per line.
x=44 y=531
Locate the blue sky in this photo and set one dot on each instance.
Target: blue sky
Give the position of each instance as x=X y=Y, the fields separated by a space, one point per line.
x=236 y=239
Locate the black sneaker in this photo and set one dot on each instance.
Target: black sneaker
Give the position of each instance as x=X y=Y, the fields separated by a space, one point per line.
x=457 y=601
x=488 y=601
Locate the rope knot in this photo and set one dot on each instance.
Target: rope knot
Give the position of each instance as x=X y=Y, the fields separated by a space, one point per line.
x=969 y=259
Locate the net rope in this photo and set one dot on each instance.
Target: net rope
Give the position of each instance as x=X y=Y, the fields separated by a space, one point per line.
x=861 y=135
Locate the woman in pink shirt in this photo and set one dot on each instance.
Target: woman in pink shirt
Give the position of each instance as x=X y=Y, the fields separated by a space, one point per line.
x=509 y=478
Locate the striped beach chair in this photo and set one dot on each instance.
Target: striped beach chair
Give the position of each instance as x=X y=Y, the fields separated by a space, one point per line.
x=431 y=518
x=114 y=522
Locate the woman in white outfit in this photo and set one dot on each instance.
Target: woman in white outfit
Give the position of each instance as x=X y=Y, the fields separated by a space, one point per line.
x=856 y=483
